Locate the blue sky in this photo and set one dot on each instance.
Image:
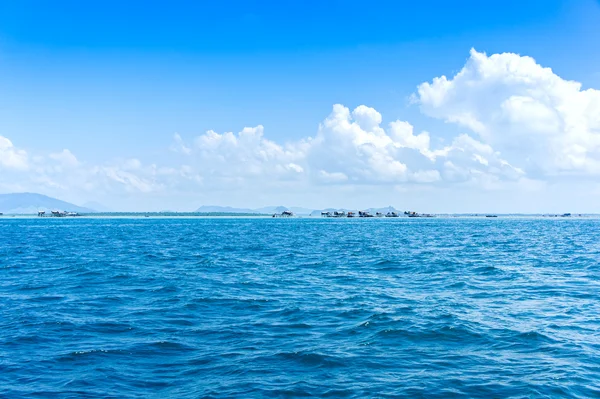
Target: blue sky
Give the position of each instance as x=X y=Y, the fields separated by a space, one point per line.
x=112 y=82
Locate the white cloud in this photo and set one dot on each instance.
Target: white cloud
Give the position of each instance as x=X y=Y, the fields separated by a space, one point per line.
x=179 y=145
x=524 y=125
x=355 y=145
x=11 y=157
x=536 y=119
x=246 y=155
x=402 y=133
x=65 y=158
x=349 y=148
x=130 y=181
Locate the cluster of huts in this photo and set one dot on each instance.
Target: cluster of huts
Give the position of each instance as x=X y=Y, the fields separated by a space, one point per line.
x=366 y=214
x=360 y=214
x=57 y=214
x=284 y=214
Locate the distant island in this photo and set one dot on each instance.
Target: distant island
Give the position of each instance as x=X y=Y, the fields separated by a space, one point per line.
x=43 y=205
x=32 y=203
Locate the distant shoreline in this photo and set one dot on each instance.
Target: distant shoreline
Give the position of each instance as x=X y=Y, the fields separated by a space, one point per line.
x=211 y=215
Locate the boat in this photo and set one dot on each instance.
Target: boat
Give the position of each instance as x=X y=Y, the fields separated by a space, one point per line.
x=351 y=214
x=364 y=214
x=391 y=215
x=491 y=216
x=379 y=214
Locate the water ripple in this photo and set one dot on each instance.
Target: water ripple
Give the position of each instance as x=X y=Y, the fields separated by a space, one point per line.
x=220 y=308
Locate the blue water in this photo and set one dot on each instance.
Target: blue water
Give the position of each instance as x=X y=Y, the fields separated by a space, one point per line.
x=259 y=308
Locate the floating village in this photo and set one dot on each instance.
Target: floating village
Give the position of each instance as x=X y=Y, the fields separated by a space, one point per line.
x=409 y=214
x=360 y=214
x=57 y=214
x=290 y=214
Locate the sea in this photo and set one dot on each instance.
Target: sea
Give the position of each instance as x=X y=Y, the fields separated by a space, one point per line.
x=299 y=307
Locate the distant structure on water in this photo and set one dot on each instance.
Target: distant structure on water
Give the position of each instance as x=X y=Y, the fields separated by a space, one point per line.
x=284 y=214
x=411 y=214
x=58 y=214
x=367 y=214
x=334 y=214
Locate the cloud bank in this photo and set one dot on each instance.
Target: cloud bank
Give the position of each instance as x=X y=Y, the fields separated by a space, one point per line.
x=543 y=123
x=522 y=126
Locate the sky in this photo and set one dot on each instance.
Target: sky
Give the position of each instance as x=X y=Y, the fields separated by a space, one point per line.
x=433 y=106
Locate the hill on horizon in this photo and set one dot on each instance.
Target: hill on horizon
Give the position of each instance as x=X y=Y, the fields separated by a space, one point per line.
x=31 y=203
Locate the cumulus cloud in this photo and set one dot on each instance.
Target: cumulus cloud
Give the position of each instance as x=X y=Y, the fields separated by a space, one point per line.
x=522 y=125
x=355 y=145
x=350 y=147
x=246 y=155
x=12 y=157
x=469 y=160
x=538 y=120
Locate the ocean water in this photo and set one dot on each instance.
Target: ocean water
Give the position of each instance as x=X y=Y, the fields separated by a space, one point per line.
x=285 y=308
